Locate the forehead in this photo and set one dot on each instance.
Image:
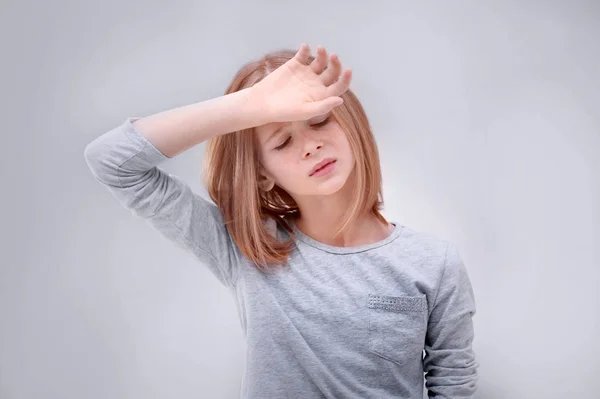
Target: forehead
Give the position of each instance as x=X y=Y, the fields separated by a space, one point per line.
x=264 y=130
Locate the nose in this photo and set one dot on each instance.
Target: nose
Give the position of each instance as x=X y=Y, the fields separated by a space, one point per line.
x=308 y=153
x=311 y=139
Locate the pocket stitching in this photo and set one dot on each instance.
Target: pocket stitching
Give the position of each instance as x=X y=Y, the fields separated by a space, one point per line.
x=394 y=304
x=398 y=303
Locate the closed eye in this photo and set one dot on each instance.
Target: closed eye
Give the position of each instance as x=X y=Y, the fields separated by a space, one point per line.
x=320 y=124
x=284 y=144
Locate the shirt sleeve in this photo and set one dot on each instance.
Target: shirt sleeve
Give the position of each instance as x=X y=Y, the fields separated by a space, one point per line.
x=449 y=363
x=125 y=162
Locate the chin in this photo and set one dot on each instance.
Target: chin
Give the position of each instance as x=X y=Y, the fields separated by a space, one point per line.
x=331 y=185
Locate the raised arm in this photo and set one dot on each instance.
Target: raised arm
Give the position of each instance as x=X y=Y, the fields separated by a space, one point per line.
x=125 y=158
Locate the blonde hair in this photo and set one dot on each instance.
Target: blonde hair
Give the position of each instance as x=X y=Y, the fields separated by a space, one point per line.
x=232 y=166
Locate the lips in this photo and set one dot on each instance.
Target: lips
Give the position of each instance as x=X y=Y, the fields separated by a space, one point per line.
x=319 y=165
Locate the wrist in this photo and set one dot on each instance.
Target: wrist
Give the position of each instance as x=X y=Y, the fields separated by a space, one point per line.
x=258 y=111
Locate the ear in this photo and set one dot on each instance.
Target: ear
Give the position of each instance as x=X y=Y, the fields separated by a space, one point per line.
x=265 y=181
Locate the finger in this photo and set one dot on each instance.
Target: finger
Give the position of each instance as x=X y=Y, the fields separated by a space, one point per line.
x=303 y=53
x=322 y=107
x=342 y=84
x=320 y=62
x=332 y=72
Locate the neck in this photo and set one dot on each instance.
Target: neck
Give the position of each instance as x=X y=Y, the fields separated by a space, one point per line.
x=365 y=230
x=321 y=216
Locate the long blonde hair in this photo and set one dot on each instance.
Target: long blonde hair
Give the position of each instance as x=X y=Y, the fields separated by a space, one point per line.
x=232 y=165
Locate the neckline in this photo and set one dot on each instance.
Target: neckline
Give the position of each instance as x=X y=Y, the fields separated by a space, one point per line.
x=346 y=250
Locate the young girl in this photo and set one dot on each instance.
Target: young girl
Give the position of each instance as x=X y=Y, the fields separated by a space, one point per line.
x=334 y=301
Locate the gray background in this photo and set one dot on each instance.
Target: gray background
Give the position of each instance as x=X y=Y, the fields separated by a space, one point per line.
x=487 y=118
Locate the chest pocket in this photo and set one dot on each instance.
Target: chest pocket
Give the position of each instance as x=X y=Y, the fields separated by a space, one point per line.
x=397 y=327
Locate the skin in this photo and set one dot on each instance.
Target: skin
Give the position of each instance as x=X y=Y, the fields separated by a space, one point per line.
x=286 y=161
x=296 y=98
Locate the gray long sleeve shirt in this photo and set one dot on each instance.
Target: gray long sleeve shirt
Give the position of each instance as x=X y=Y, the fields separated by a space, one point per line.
x=339 y=322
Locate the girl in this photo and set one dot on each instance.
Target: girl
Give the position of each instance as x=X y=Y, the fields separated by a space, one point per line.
x=334 y=301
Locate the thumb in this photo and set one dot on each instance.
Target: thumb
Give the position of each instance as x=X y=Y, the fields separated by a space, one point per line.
x=323 y=106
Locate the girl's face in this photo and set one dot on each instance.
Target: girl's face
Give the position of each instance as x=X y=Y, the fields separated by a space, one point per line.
x=289 y=151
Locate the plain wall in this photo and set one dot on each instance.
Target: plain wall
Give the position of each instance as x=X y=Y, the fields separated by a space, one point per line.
x=487 y=119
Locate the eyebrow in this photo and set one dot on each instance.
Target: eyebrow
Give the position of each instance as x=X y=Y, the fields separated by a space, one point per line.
x=275 y=133
x=279 y=129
